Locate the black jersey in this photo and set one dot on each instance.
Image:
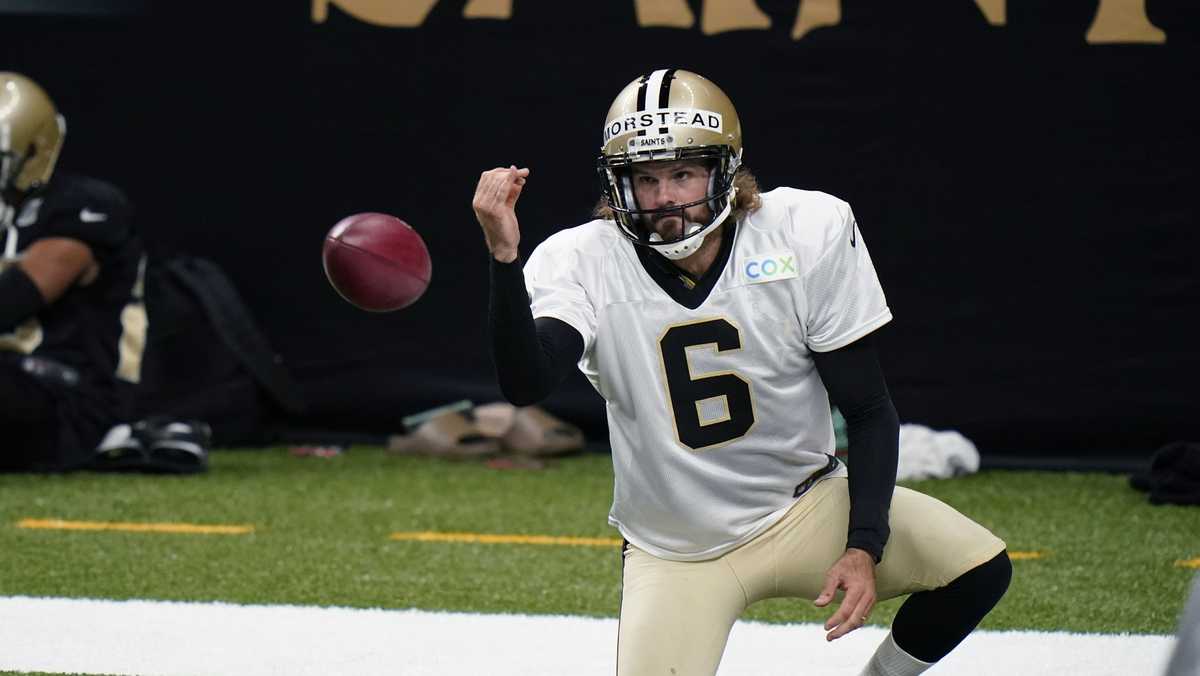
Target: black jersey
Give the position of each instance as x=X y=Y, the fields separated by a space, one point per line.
x=95 y=326
x=98 y=327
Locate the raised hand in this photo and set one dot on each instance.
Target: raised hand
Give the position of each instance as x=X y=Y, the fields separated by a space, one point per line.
x=495 y=208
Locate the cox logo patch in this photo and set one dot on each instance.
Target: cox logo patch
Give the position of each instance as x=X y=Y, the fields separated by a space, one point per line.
x=770 y=267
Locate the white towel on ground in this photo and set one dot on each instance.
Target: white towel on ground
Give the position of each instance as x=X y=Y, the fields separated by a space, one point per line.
x=932 y=454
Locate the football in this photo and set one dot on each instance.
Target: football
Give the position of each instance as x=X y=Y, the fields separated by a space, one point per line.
x=376 y=262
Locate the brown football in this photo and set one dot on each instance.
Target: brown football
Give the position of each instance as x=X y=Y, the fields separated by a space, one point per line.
x=376 y=262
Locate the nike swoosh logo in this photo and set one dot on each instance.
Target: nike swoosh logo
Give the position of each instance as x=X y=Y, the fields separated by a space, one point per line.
x=89 y=216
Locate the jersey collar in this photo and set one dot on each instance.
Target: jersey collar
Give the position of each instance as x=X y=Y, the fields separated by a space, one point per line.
x=688 y=291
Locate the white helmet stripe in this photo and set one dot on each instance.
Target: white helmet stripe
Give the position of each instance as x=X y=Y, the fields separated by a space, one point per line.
x=654 y=90
x=655 y=93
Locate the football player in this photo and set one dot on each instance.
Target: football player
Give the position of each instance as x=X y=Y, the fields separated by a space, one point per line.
x=719 y=323
x=72 y=321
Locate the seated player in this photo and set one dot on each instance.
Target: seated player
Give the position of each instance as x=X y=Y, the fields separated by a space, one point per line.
x=72 y=321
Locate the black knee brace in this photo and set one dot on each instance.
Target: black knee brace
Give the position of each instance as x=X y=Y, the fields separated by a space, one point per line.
x=931 y=623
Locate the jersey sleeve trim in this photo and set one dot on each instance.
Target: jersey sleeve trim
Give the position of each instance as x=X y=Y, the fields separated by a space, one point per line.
x=863 y=329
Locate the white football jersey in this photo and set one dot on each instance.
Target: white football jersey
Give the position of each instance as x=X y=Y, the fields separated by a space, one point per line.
x=717 y=413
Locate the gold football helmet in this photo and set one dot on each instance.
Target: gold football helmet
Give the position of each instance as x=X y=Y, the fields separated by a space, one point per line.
x=670 y=114
x=31 y=136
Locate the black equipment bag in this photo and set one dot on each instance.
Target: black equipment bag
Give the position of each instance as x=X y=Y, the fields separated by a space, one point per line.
x=206 y=358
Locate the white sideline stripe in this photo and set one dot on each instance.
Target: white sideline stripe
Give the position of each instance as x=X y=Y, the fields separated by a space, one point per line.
x=163 y=638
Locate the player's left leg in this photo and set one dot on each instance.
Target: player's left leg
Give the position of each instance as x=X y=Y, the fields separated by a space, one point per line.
x=932 y=623
x=955 y=569
x=28 y=418
x=956 y=572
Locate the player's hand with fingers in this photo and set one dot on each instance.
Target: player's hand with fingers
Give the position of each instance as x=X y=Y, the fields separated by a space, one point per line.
x=495 y=208
x=853 y=573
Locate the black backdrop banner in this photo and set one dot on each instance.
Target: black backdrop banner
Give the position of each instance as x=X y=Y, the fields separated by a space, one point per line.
x=1024 y=172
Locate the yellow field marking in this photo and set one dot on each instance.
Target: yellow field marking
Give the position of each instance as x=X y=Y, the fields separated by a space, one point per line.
x=1022 y=556
x=1188 y=563
x=495 y=539
x=186 y=528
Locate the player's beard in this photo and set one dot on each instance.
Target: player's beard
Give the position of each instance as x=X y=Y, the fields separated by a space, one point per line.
x=672 y=225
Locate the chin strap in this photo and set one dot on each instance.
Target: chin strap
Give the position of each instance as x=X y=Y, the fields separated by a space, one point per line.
x=695 y=234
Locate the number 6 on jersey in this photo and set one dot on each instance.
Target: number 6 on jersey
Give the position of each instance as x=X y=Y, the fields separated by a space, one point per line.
x=688 y=393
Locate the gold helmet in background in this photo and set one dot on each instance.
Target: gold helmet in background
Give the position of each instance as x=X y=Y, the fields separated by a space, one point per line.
x=31 y=136
x=670 y=114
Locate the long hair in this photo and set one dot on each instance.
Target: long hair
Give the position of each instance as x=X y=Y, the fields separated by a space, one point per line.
x=746 y=201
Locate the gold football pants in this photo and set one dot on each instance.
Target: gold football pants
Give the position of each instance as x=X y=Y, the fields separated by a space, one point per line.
x=676 y=616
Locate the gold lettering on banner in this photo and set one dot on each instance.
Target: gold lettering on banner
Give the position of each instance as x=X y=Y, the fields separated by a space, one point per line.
x=815 y=14
x=720 y=16
x=488 y=9
x=717 y=16
x=1123 y=21
x=995 y=11
x=1116 y=21
x=406 y=13
x=377 y=12
x=664 y=13
x=819 y=13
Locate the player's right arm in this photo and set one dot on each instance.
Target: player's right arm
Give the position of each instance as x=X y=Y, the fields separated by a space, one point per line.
x=531 y=357
x=79 y=222
x=46 y=270
x=55 y=264
x=495 y=208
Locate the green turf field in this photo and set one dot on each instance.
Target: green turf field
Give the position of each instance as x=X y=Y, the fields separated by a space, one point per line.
x=1107 y=560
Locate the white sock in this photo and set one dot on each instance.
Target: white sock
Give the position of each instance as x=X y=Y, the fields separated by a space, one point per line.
x=890 y=660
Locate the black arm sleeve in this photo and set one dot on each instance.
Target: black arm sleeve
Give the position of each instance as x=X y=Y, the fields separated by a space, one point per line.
x=531 y=357
x=854 y=379
x=22 y=299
